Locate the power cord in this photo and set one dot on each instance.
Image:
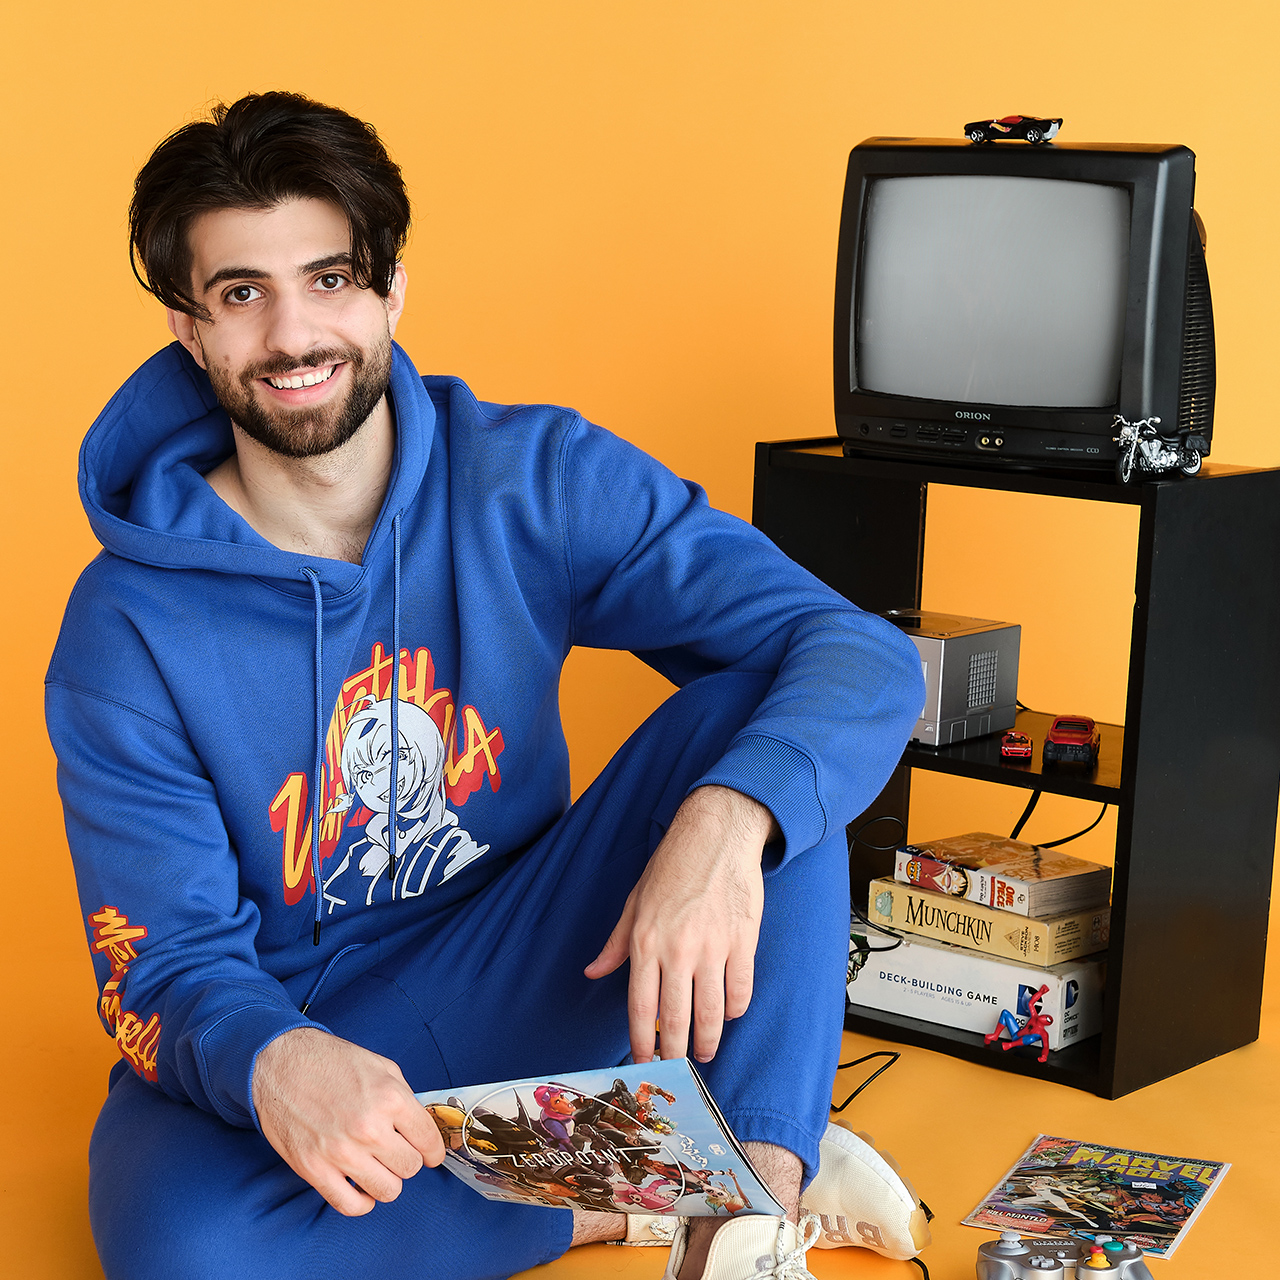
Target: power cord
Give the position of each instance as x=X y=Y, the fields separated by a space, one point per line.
x=879 y=1071
x=857 y=912
x=1052 y=844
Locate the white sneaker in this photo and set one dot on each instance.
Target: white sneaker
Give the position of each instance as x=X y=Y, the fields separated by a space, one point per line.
x=753 y=1247
x=861 y=1197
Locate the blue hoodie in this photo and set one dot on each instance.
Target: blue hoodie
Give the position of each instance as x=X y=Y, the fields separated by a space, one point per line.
x=222 y=712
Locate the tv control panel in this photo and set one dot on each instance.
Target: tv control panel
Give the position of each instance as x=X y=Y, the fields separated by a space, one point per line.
x=912 y=438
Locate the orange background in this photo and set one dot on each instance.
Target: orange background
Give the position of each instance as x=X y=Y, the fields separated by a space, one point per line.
x=631 y=208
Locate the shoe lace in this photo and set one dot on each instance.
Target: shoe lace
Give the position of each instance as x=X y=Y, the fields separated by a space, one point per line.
x=664 y=1229
x=791 y=1266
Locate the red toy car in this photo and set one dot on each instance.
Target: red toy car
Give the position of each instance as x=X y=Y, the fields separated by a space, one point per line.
x=1015 y=746
x=1072 y=738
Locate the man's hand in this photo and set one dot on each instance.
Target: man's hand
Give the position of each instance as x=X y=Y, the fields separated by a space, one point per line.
x=691 y=924
x=335 y=1111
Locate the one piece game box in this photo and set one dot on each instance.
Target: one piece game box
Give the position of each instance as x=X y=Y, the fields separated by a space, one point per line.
x=1088 y=1189
x=643 y=1138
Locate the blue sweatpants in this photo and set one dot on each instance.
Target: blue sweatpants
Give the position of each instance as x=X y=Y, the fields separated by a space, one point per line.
x=492 y=989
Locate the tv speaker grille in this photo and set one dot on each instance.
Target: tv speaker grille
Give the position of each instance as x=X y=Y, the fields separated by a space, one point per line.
x=1199 y=360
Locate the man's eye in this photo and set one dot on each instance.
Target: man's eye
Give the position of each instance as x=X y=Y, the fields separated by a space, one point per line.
x=243 y=293
x=330 y=283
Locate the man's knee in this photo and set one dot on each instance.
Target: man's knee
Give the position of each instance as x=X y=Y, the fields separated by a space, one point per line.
x=174 y=1191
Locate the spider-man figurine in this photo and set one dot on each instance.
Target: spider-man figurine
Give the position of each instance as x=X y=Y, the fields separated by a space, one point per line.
x=1032 y=1029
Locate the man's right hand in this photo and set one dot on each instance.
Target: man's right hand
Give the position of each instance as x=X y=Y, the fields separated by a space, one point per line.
x=336 y=1112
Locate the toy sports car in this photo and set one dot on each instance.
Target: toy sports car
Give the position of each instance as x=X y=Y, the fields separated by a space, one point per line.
x=1072 y=738
x=1015 y=746
x=1031 y=129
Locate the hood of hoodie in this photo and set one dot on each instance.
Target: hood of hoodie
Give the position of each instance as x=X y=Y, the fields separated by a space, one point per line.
x=143 y=463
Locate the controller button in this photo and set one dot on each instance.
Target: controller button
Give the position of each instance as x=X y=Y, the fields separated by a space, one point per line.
x=1114 y=1246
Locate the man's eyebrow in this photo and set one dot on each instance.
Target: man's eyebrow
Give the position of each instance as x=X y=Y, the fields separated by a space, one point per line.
x=255 y=273
x=235 y=273
x=333 y=260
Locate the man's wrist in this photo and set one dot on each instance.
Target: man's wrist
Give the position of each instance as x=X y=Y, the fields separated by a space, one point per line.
x=738 y=809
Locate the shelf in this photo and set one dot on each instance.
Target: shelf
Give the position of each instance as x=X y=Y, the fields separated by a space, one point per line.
x=980 y=758
x=826 y=454
x=1075 y=1065
x=1195 y=812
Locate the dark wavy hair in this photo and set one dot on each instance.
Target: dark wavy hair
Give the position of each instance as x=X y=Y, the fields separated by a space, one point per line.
x=262 y=150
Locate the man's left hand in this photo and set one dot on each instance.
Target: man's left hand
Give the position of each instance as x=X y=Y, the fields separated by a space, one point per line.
x=691 y=924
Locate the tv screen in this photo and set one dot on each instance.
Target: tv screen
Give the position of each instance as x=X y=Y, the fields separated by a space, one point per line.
x=993 y=290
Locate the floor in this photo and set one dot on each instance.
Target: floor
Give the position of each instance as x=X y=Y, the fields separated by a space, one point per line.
x=954 y=1127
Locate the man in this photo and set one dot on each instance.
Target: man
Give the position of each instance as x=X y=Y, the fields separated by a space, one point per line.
x=305 y=709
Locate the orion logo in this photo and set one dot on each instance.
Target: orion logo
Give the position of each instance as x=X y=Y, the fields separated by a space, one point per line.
x=973 y=417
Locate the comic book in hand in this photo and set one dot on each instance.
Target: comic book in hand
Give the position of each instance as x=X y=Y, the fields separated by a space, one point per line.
x=642 y=1138
x=1061 y=1185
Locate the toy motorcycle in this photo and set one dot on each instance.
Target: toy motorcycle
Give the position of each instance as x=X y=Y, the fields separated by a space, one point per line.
x=1145 y=451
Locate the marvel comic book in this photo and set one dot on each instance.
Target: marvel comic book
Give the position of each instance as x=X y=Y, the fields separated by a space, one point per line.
x=643 y=1138
x=1089 y=1189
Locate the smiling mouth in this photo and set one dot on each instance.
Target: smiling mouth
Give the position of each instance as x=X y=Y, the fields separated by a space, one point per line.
x=312 y=378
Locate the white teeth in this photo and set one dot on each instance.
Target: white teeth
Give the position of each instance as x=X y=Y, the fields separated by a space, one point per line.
x=302 y=380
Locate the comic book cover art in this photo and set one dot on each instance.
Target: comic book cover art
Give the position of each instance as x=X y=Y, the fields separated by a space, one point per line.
x=1061 y=1185
x=642 y=1138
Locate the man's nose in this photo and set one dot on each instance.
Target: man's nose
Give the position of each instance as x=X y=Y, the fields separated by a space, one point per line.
x=292 y=325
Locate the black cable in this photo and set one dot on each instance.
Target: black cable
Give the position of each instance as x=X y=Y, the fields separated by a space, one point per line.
x=881 y=929
x=1053 y=844
x=856 y=838
x=922 y=1267
x=1026 y=813
x=870 y=822
x=854 y=1062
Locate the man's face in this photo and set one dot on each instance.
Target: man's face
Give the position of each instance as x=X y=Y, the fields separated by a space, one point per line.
x=298 y=354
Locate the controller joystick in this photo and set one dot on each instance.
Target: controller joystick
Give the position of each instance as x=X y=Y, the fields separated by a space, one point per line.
x=1015 y=1257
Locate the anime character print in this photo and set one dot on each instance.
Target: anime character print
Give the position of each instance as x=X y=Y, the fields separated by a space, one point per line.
x=434 y=777
x=426 y=833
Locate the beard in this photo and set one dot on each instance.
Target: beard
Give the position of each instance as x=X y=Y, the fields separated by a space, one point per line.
x=313 y=430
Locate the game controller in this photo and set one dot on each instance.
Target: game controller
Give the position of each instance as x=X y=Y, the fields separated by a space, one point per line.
x=1014 y=1257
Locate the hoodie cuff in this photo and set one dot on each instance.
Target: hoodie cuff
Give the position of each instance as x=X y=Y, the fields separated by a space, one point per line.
x=783 y=779
x=228 y=1052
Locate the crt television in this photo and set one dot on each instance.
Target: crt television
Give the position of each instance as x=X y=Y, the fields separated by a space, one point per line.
x=1001 y=303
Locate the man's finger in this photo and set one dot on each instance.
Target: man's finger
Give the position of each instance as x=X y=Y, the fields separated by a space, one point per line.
x=739 y=982
x=708 y=1012
x=349 y=1201
x=642 y=1009
x=400 y=1156
x=673 y=1013
x=420 y=1131
x=618 y=946
x=373 y=1177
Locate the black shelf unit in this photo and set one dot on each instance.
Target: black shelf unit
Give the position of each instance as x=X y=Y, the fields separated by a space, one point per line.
x=1194 y=772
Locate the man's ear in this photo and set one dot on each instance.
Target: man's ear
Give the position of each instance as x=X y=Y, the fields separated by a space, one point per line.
x=395 y=299
x=183 y=327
